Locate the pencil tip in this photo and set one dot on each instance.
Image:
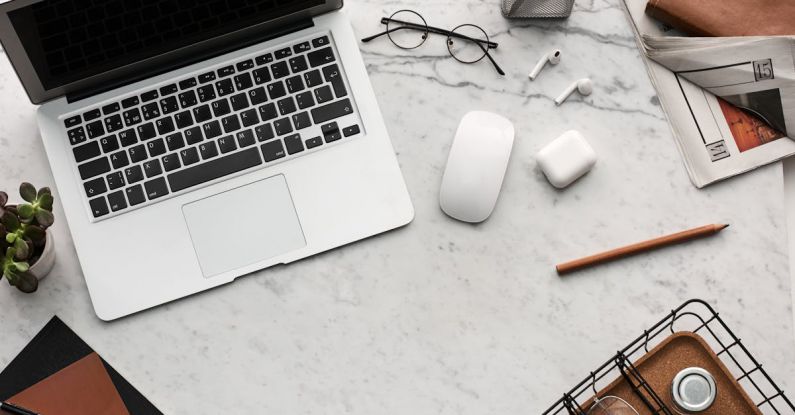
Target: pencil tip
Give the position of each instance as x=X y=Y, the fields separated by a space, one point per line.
x=722 y=227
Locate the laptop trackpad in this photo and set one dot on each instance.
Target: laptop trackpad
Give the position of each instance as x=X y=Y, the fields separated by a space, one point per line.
x=243 y=226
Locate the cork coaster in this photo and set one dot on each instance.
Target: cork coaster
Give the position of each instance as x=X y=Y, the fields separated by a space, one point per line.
x=660 y=365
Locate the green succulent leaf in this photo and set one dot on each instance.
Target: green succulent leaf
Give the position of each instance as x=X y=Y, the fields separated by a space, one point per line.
x=36 y=234
x=28 y=192
x=10 y=221
x=11 y=238
x=45 y=201
x=26 y=211
x=44 y=191
x=22 y=248
x=26 y=282
x=44 y=218
x=3 y=199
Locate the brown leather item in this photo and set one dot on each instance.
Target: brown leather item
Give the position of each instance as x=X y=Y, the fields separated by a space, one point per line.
x=81 y=388
x=726 y=17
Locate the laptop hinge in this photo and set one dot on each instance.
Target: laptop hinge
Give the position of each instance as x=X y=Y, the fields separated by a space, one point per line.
x=194 y=58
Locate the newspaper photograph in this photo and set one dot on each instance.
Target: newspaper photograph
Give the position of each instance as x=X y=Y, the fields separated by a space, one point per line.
x=730 y=101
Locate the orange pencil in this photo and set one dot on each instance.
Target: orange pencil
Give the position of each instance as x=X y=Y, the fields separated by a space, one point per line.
x=639 y=247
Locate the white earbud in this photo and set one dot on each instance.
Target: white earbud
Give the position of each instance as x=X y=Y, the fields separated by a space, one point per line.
x=552 y=57
x=584 y=86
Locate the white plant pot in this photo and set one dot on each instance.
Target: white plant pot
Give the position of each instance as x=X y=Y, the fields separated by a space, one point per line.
x=46 y=261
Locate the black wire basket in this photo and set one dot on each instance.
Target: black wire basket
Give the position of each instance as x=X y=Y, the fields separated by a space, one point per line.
x=695 y=316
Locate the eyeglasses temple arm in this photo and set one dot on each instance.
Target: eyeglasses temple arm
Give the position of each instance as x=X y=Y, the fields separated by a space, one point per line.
x=439 y=31
x=385 y=32
x=493 y=62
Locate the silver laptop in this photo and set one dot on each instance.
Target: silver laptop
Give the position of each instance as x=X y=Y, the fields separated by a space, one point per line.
x=193 y=142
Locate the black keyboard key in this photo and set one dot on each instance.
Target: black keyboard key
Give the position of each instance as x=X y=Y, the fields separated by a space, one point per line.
x=92 y=115
x=245 y=65
x=187 y=99
x=261 y=75
x=263 y=59
x=243 y=81
x=282 y=53
x=129 y=102
x=249 y=117
x=214 y=169
x=280 y=70
x=72 y=121
x=156 y=188
x=187 y=83
x=149 y=96
x=175 y=141
x=133 y=174
x=183 y=119
x=202 y=114
x=117 y=201
x=99 y=207
x=146 y=131
x=206 y=93
x=332 y=74
x=226 y=71
x=128 y=137
x=313 y=78
x=320 y=42
x=298 y=64
x=305 y=100
x=110 y=108
x=227 y=144
x=224 y=87
x=132 y=116
x=258 y=95
x=331 y=111
x=109 y=143
x=286 y=106
x=230 y=123
x=76 y=135
x=86 y=151
x=264 y=132
x=294 y=84
x=245 y=138
x=313 y=142
x=164 y=125
x=349 y=131
x=301 y=47
x=272 y=150
x=268 y=112
x=321 y=57
x=95 y=129
x=189 y=156
x=137 y=153
x=150 y=110
x=113 y=123
x=212 y=129
x=156 y=147
x=282 y=126
x=193 y=135
x=301 y=120
x=115 y=180
x=171 y=162
x=169 y=105
x=220 y=107
x=119 y=159
x=168 y=89
x=208 y=150
x=331 y=132
x=323 y=94
x=95 y=187
x=294 y=143
x=207 y=77
x=94 y=168
x=135 y=195
x=276 y=90
x=239 y=101
x=152 y=168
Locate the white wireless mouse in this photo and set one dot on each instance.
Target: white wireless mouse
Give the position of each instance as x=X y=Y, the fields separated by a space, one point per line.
x=476 y=166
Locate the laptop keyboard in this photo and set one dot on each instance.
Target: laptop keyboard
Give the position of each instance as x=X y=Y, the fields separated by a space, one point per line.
x=253 y=112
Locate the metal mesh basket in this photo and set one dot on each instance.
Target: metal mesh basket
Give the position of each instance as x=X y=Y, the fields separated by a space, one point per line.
x=528 y=9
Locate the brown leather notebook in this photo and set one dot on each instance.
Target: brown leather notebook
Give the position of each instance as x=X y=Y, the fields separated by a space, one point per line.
x=84 y=387
x=726 y=17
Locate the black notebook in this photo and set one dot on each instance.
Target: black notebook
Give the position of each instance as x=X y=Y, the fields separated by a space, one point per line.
x=54 y=348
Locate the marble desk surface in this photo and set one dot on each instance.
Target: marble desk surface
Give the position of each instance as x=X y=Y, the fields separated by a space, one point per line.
x=442 y=317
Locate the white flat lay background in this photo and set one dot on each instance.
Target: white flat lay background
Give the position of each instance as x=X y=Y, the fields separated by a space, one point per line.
x=442 y=317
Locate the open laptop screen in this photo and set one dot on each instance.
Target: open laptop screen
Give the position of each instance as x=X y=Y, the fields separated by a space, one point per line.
x=71 y=40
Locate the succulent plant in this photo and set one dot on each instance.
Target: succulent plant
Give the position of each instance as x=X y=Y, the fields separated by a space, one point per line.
x=23 y=234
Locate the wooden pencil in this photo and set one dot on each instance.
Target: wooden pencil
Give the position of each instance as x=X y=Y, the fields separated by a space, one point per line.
x=639 y=247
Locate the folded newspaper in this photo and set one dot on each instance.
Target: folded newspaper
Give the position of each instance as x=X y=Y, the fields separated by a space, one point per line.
x=730 y=100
